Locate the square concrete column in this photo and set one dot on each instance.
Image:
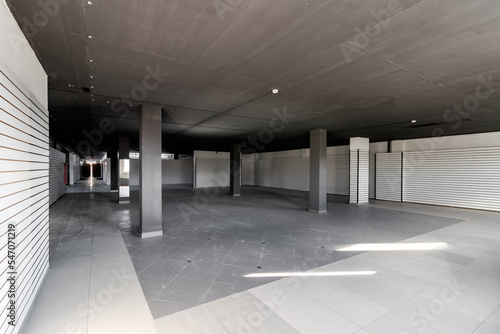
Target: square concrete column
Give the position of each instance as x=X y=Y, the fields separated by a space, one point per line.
x=235 y=171
x=359 y=185
x=150 y=180
x=124 y=171
x=317 y=171
x=113 y=160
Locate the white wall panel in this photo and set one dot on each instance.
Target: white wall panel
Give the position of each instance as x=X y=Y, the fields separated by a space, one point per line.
x=248 y=172
x=177 y=171
x=468 y=178
x=173 y=172
x=359 y=176
x=388 y=176
x=286 y=173
x=373 y=178
x=56 y=179
x=337 y=174
x=24 y=188
x=211 y=172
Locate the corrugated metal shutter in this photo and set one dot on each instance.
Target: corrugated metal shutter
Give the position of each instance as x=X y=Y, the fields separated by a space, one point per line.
x=56 y=179
x=338 y=174
x=372 y=176
x=388 y=175
x=468 y=178
x=24 y=190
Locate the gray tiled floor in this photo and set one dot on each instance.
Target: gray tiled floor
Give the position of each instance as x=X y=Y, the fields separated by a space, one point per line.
x=459 y=283
x=211 y=243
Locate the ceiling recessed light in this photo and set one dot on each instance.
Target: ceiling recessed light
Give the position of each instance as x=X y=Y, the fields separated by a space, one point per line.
x=89 y=3
x=414 y=121
x=91 y=77
x=90 y=36
x=91 y=60
x=93 y=100
x=275 y=91
x=107 y=101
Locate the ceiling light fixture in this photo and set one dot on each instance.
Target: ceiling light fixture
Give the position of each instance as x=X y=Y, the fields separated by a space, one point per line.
x=414 y=121
x=89 y=3
x=91 y=77
x=91 y=60
x=275 y=91
x=90 y=37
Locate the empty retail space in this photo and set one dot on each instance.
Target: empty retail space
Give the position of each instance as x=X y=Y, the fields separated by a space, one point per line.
x=249 y=166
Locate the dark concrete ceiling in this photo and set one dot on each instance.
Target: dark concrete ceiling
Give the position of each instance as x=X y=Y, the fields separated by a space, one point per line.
x=356 y=68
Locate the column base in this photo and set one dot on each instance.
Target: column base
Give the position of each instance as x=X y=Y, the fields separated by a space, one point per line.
x=145 y=235
x=317 y=211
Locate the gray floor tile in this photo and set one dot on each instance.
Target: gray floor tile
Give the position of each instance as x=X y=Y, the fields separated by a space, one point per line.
x=205 y=271
x=184 y=290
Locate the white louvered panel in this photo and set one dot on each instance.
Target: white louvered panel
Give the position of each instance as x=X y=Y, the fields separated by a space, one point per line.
x=359 y=177
x=372 y=175
x=24 y=190
x=364 y=176
x=468 y=178
x=57 y=186
x=338 y=174
x=353 y=177
x=388 y=176
x=21 y=132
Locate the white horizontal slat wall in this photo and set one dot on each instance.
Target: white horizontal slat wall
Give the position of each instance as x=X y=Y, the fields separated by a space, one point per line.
x=372 y=176
x=359 y=176
x=285 y=170
x=337 y=167
x=388 y=176
x=248 y=170
x=57 y=186
x=24 y=191
x=468 y=178
x=364 y=176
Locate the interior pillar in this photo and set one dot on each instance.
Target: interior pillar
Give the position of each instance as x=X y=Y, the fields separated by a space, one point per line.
x=317 y=171
x=235 y=171
x=150 y=177
x=124 y=171
x=359 y=187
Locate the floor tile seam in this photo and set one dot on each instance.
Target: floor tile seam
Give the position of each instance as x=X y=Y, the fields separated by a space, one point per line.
x=456 y=310
x=352 y=321
x=200 y=302
x=177 y=276
x=489 y=323
x=397 y=310
x=304 y=303
x=216 y=317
